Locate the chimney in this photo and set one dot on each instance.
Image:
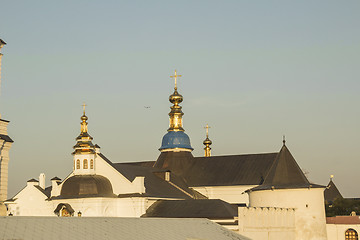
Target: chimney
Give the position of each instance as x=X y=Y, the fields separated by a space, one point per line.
x=55 y=190
x=42 y=180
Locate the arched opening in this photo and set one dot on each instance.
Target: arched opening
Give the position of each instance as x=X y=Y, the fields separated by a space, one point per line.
x=92 y=164
x=351 y=234
x=78 y=164
x=85 y=164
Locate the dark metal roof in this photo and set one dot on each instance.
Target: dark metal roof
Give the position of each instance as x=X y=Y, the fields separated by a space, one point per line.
x=6 y=138
x=285 y=173
x=32 y=180
x=331 y=192
x=201 y=208
x=56 y=178
x=2 y=41
x=247 y=169
x=46 y=191
x=86 y=185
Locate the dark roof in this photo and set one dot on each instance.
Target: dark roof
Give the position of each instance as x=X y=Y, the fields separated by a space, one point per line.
x=6 y=138
x=285 y=173
x=2 y=41
x=331 y=192
x=46 y=191
x=155 y=185
x=247 y=169
x=144 y=164
x=32 y=180
x=201 y=208
x=67 y=206
x=55 y=178
x=86 y=185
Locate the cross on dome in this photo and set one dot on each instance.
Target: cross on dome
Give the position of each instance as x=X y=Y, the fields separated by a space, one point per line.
x=207 y=130
x=175 y=77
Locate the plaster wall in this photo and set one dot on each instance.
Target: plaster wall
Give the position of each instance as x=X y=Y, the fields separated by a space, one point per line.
x=337 y=231
x=310 y=218
x=267 y=223
x=30 y=202
x=4 y=162
x=230 y=194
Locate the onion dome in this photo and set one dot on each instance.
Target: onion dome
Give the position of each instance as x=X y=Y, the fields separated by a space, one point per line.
x=207 y=142
x=176 y=138
x=83 y=141
x=87 y=185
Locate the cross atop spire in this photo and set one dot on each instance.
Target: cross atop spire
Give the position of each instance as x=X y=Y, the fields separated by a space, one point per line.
x=175 y=77
x=84 y=105
x=207 y=130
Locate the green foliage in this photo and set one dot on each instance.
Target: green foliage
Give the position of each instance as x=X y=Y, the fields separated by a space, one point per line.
x=342 y=206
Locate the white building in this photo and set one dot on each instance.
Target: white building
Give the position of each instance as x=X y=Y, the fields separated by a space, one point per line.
x=276 y=200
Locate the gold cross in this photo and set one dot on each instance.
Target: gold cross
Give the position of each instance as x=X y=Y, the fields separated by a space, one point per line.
x=207 y=130
x=175 y=76
x=84 y=105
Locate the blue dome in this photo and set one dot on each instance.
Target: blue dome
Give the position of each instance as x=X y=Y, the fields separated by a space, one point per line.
x=175 y=139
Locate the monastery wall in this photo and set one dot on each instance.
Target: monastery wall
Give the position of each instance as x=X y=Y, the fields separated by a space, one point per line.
x=310 y=218
x=267 y=223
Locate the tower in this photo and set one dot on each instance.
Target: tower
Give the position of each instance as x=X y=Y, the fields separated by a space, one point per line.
x=176 y=140
x=207 y=142
x=175 y=146
x=84 y=154
x=5 y=145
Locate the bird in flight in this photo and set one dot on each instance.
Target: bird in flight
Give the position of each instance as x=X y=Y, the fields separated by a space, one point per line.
x=146 y=106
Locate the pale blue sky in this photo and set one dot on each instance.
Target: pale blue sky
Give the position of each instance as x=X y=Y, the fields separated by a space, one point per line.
x=253 y=70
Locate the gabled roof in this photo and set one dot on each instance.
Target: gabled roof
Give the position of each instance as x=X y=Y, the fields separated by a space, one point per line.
x=331 y=192
x=285 y=173
x=6 y=138
x=247 y=169
x=2 y=42
x=155 y=185
x=201 y=208
x=46 y=191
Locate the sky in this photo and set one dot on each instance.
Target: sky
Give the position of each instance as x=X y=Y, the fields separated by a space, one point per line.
x=253 y=70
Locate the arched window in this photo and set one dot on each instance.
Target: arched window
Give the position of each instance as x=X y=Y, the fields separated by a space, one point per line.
x=78 y=164
x=92 y=164
x=85 y=164
x=351 y=234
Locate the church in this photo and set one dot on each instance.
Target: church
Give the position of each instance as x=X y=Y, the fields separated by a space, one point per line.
x=260 y=195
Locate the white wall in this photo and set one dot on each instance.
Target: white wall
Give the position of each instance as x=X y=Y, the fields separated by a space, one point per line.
x=309 y=204
x=337 y=231
x=230 y=194
x=267 y=223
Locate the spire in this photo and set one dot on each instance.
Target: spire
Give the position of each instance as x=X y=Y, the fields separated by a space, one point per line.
x=207 y=142
x=175 y=139
x=84 y=144
x=175 y=113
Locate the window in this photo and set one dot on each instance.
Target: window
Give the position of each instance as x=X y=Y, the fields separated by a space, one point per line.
x=78 y=164
x=91 y=164
x=85 y=164
x=351 y=234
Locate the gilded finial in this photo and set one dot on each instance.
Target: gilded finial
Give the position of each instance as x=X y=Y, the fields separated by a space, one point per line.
x=175 y=113
x=207 y=142
x=84 y=118
x=331 y=177
x=175 y=77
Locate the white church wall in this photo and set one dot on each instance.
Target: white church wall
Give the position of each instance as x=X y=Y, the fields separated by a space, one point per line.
x=30 y=201
x=120 y=184
x=337 y=231
x=267 y=223
x=230 y=194
x=309 y=204
x=105 y=207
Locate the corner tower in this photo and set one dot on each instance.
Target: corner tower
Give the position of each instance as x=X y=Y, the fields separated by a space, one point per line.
x=176 y=140
x=84 y=154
